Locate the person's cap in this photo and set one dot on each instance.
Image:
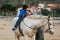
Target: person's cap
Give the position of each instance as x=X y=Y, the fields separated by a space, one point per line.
x=25 y=5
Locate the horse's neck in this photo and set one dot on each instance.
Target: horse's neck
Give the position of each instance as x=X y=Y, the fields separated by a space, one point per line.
x=31 y=22
x=34 y=21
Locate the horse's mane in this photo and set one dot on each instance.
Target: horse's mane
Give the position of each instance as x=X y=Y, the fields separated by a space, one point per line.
x=37 y=17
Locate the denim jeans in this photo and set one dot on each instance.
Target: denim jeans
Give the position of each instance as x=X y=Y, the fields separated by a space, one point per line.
x=18 y=22
x=40 y=34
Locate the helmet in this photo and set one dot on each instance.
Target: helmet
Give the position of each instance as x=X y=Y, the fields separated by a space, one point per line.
x=25 y=6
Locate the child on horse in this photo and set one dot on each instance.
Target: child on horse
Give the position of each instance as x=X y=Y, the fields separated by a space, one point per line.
x=23 y=13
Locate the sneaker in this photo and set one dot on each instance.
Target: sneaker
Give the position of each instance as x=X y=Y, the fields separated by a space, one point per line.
x=13 y=29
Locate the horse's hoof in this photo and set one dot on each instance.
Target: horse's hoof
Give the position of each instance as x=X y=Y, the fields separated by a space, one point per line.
x=13 y=29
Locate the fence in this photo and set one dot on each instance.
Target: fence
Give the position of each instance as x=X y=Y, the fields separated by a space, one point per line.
x=56 y=19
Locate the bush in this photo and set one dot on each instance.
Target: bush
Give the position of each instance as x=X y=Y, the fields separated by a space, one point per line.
x=7 y=8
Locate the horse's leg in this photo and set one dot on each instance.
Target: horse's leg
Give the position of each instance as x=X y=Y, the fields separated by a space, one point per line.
x=33 y=37
x=20 y=38
x=28 y=37
x=17 y=37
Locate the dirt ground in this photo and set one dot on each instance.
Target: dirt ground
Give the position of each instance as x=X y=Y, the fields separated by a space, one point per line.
x=7 y=34
x=56 y=35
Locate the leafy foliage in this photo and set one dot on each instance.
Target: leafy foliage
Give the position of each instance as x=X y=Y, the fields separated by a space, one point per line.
x=12 y=5
x=7 y=8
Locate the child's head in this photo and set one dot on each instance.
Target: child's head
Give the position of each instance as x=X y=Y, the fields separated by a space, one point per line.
x=25 y=6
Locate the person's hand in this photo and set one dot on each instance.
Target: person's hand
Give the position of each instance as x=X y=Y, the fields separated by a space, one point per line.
x=28 y=14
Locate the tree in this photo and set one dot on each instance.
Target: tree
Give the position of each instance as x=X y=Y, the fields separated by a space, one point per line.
x=57 y=12
x=7 y=9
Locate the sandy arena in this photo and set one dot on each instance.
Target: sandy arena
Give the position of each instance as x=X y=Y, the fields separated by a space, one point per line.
x=7 y=34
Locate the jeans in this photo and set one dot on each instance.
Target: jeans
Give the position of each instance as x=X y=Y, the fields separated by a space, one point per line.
x=40 y=34
x=18 y=22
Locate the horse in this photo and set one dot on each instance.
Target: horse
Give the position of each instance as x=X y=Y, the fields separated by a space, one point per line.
x=29 y=26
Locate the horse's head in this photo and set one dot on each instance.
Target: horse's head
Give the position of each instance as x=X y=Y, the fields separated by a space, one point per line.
x=39 y=21
x=50 y=26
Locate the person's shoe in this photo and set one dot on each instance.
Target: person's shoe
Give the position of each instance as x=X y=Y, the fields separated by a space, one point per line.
x=13 y=29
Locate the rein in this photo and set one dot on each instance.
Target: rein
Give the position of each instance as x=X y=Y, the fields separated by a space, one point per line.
x=28 y=26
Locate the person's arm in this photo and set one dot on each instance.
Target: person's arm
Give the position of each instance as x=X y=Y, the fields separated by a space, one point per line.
x=28 y=13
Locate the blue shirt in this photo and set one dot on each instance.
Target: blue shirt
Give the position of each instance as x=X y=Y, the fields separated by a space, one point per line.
x=22 y=13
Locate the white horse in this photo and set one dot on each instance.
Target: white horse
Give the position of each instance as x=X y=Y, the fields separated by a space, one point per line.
x=29 y=26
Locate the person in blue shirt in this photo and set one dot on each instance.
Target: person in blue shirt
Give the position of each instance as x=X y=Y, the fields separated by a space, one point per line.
x=22 y=15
